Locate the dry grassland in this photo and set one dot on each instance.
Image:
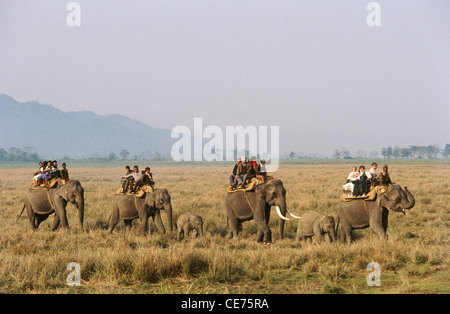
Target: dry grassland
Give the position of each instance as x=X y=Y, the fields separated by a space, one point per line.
x=415 y=259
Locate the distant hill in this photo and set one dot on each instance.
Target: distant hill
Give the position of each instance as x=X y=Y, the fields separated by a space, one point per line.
x=56 y=134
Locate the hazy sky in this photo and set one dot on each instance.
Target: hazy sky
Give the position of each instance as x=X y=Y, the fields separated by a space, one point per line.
x=314 y=68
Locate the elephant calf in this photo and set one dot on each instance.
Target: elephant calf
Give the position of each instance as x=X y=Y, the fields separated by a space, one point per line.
x=314 y=223
x=187 y=222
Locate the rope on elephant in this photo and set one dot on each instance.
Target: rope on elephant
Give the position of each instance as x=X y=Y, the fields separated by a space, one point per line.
x=248 y=201
x=50 y=200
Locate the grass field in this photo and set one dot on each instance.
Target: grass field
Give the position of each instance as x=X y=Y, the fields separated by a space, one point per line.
x=415 y=259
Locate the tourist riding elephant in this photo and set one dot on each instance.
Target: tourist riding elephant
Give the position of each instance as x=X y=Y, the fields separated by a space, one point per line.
x=130 y=207
x=247 y=205
x=313 y=223
x=41 y=203
x=355 y=214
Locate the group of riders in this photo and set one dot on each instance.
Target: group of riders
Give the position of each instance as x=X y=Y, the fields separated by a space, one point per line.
x=133 y=180
x=245 y=170
x=359 y=182
x=48 y=170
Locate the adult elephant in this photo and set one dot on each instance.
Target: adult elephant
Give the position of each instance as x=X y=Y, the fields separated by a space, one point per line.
x=130 y=207
x=40 y=203
x=360 y=214
x=247 y=205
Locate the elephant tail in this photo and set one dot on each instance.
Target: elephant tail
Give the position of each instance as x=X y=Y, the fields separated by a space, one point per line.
x=108 y=223
x=337 y=226
x=23 y=208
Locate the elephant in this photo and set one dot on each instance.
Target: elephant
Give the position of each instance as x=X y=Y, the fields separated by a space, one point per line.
x=255 y=204
x=314 y=223
x=187 y=222
x=42 y=202
x=355 y=214
x=130 y=207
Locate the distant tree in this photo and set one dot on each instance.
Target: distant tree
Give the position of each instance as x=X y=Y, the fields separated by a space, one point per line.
x=124 y=154
x=396 y=151
x=361 y=154
x=432 y=151
x=346 y=154
x=389 y=152
x=156 y=156
x=112 y=156
x=292 y=155
x=373 y=154
x=337 y=154
x=3 y=154
x=405 y=152
x=384 y=152
x=446 y=151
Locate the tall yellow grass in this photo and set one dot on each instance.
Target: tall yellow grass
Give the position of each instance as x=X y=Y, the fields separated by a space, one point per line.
x=414 y=259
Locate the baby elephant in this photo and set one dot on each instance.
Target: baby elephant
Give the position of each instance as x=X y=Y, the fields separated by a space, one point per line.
x=187 y=222
x=314 y=223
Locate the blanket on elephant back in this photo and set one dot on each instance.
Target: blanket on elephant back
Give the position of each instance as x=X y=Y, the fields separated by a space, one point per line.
x=51 y=184
x=371 y=196
x=143 y=190
x=250 y=185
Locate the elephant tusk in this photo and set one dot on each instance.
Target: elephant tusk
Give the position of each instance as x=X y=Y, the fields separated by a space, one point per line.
x=279 y=213
x=292 y=214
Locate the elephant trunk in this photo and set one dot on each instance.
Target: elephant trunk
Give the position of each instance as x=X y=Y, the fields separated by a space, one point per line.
x=332 y=234
x=410 y=201
x=168 y=209
x=80 y=206
x=282 y=211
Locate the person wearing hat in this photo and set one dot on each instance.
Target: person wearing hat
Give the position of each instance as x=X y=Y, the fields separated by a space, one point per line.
x=244 y=172
x=385 y=179
x=233 y=175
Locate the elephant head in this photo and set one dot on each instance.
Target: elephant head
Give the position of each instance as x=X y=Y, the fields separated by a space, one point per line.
x=274 y=194
x=327 y=225
x=397 y=199
x=160 y=199
x=197 y=224
x=73 y=192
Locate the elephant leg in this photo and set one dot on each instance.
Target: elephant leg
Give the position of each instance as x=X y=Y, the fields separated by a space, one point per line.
x=319 y=235
x=144 y=222
x=180 y=234
x=233 y=227
x=61 y=213
x=127 y=225
x=31 y=217
x=56 y=222
x=158 y=222
x=259 y=236
x=114 y=218
x=263 y=226
x=378 y=228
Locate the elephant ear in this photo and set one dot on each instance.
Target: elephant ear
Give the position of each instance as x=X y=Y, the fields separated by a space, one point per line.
x=150 y=199
x=261 y=190
x=63 y=191
x=382 y=200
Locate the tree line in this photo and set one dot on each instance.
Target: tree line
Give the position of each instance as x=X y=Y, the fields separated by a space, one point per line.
x=28 y=154
x=396 y=152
